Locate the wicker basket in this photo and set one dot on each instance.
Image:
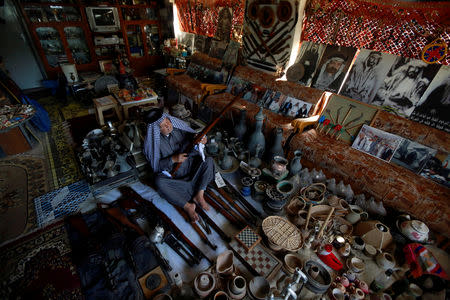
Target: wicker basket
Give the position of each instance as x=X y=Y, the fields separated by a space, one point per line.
x=282 y=233
x=314 y=193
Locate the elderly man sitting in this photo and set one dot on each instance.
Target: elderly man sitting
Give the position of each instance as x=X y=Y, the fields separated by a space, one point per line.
x=165 y=145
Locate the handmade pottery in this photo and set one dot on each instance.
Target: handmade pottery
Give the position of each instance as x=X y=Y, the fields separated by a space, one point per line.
x=360 y=200
x=357 y=295
x=277 y=148
x=356 y=214
x=221 y=295
x=305 y=178
x=358 y=243
x=224 y=264
x=295 y=166
x=227 y=161
x=370 y=250
x=313 y=272
x=414 y=230
x=162 y=297
x=259 y=287
x=363 y=286
x=241 y=128
x=341 y=189
x=318 y=176
x=212 y=147
x=285 y=187
x=300 y=219
x=331 y=185
x=356 y=264
x=292 y=261
x=385 y=261
x=345 y=251
x=348 y=194
x=237 y=287
x=344 y=281
x=257 y=137
x=374 y=233
x=337 y=294
x=259 y=188
x=279 y=164
x=255 y=161
x=204 y=284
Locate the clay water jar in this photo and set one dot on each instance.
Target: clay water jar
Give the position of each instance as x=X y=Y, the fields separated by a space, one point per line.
x=358 y=243
x=204 y=283
x=224 y=263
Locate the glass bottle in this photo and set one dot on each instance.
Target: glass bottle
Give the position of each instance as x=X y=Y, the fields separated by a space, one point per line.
x=382 y=281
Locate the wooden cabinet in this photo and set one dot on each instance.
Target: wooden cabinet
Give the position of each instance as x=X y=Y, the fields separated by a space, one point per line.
x=60 y=31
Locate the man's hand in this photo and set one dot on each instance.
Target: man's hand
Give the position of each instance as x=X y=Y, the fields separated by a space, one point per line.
x=204 y=140
x=179 y=158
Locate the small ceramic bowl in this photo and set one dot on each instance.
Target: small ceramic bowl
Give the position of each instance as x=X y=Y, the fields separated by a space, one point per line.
x=259 y=288
x=292 y=261
x=370 y=250
x=356 y=264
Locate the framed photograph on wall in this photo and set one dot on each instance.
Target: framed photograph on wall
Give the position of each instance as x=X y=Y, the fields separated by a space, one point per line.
x=376 y=142
x=412 y=155
x=107 y=67
x=437 y=168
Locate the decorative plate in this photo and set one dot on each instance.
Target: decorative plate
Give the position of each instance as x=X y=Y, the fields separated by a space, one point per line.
x=282 y=233
x=434 y=51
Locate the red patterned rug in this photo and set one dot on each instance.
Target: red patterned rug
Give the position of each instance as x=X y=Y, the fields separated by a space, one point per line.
x=39 y=266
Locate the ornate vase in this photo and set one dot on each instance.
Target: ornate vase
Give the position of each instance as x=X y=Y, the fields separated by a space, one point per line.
x=295 y=165
x=277 y=148
x=257 y=137
x=241 y=127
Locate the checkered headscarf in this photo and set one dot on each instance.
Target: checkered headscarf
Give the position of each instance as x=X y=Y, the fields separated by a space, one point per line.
x=152 y=140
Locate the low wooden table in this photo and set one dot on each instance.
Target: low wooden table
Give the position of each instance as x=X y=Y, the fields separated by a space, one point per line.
x=126 y=105
x=104 y=103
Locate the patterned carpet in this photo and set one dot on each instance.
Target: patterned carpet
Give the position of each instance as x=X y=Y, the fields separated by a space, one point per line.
x=22 y=178
x=39 y=266
x=58 y=143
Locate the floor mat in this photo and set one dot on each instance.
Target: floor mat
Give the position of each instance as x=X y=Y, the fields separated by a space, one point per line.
x=39 y=266
x=58 y=145
x=61 y=202
x=22 y=178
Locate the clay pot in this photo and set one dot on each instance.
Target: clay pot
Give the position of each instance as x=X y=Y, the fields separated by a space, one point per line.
x=300 y=219
x=356 y=214
x=292 y=261
x=279 y=164
x=357 y=295
x=344 y=281
x=336 y=294
x=224 y=264
x=358 y=243
x=363 y=286
x=285 y=187
x=295 y=165
x=370 y=250
x=313 y=272
x=345 y=251
x=259 y=287
x=204 y=284
x=374 y=233
x=356 y=264
x=237 y=287
x=385 y=261
x=220 y=295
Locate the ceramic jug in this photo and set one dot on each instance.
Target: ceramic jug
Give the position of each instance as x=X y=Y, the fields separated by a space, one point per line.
x=414 y=230
x=257 y=137
x=356 y=214
x=212 y=147
x=227 y=162
x=255 y=161
x=241 y=128
x=295 y=165
x=277 y=148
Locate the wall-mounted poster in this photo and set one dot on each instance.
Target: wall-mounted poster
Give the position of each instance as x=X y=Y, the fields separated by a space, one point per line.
x=305 y=65
x=268 y=34
x=333 y=66
x=376 y=142
x=404 y=85
x=224 y=24
x=343 y=117
x=433 y=109
x=187 y=39
x=367 y=75
x=437 y=168
x=412 y=155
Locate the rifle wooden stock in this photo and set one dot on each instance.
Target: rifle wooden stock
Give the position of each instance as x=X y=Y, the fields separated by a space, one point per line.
x=231 y=189
x=195 y=227
x=117 y=215
x=199 y=136
x=175 y=230
x=226 y=206
x=223 y=212
x=235 y=205
x=211 y=223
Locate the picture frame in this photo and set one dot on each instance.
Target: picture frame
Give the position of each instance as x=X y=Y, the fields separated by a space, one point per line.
x=107 y=66
x=412 y=155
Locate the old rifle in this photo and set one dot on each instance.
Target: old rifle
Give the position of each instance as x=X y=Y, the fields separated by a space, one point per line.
x=166 y=220
x=195 y=227
x=231 y=189
x=180 y=249
x=236 y=206
x=225 y=206
x=200 y=135
x=222 y=211
x=216 y=228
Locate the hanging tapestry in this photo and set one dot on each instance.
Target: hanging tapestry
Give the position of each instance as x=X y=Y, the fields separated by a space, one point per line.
x=394 y=27
x=206 y=17
x=268 y=34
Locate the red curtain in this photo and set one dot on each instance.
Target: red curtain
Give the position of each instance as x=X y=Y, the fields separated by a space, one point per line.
x=200 y=17
x=395 y=27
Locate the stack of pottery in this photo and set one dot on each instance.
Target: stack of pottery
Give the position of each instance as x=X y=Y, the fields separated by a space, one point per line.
x=275 y=201
x=237 y=287
x=204 y=284
x=344 y=288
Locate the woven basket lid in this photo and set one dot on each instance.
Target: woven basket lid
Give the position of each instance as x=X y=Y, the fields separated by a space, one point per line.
x=282 y=233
